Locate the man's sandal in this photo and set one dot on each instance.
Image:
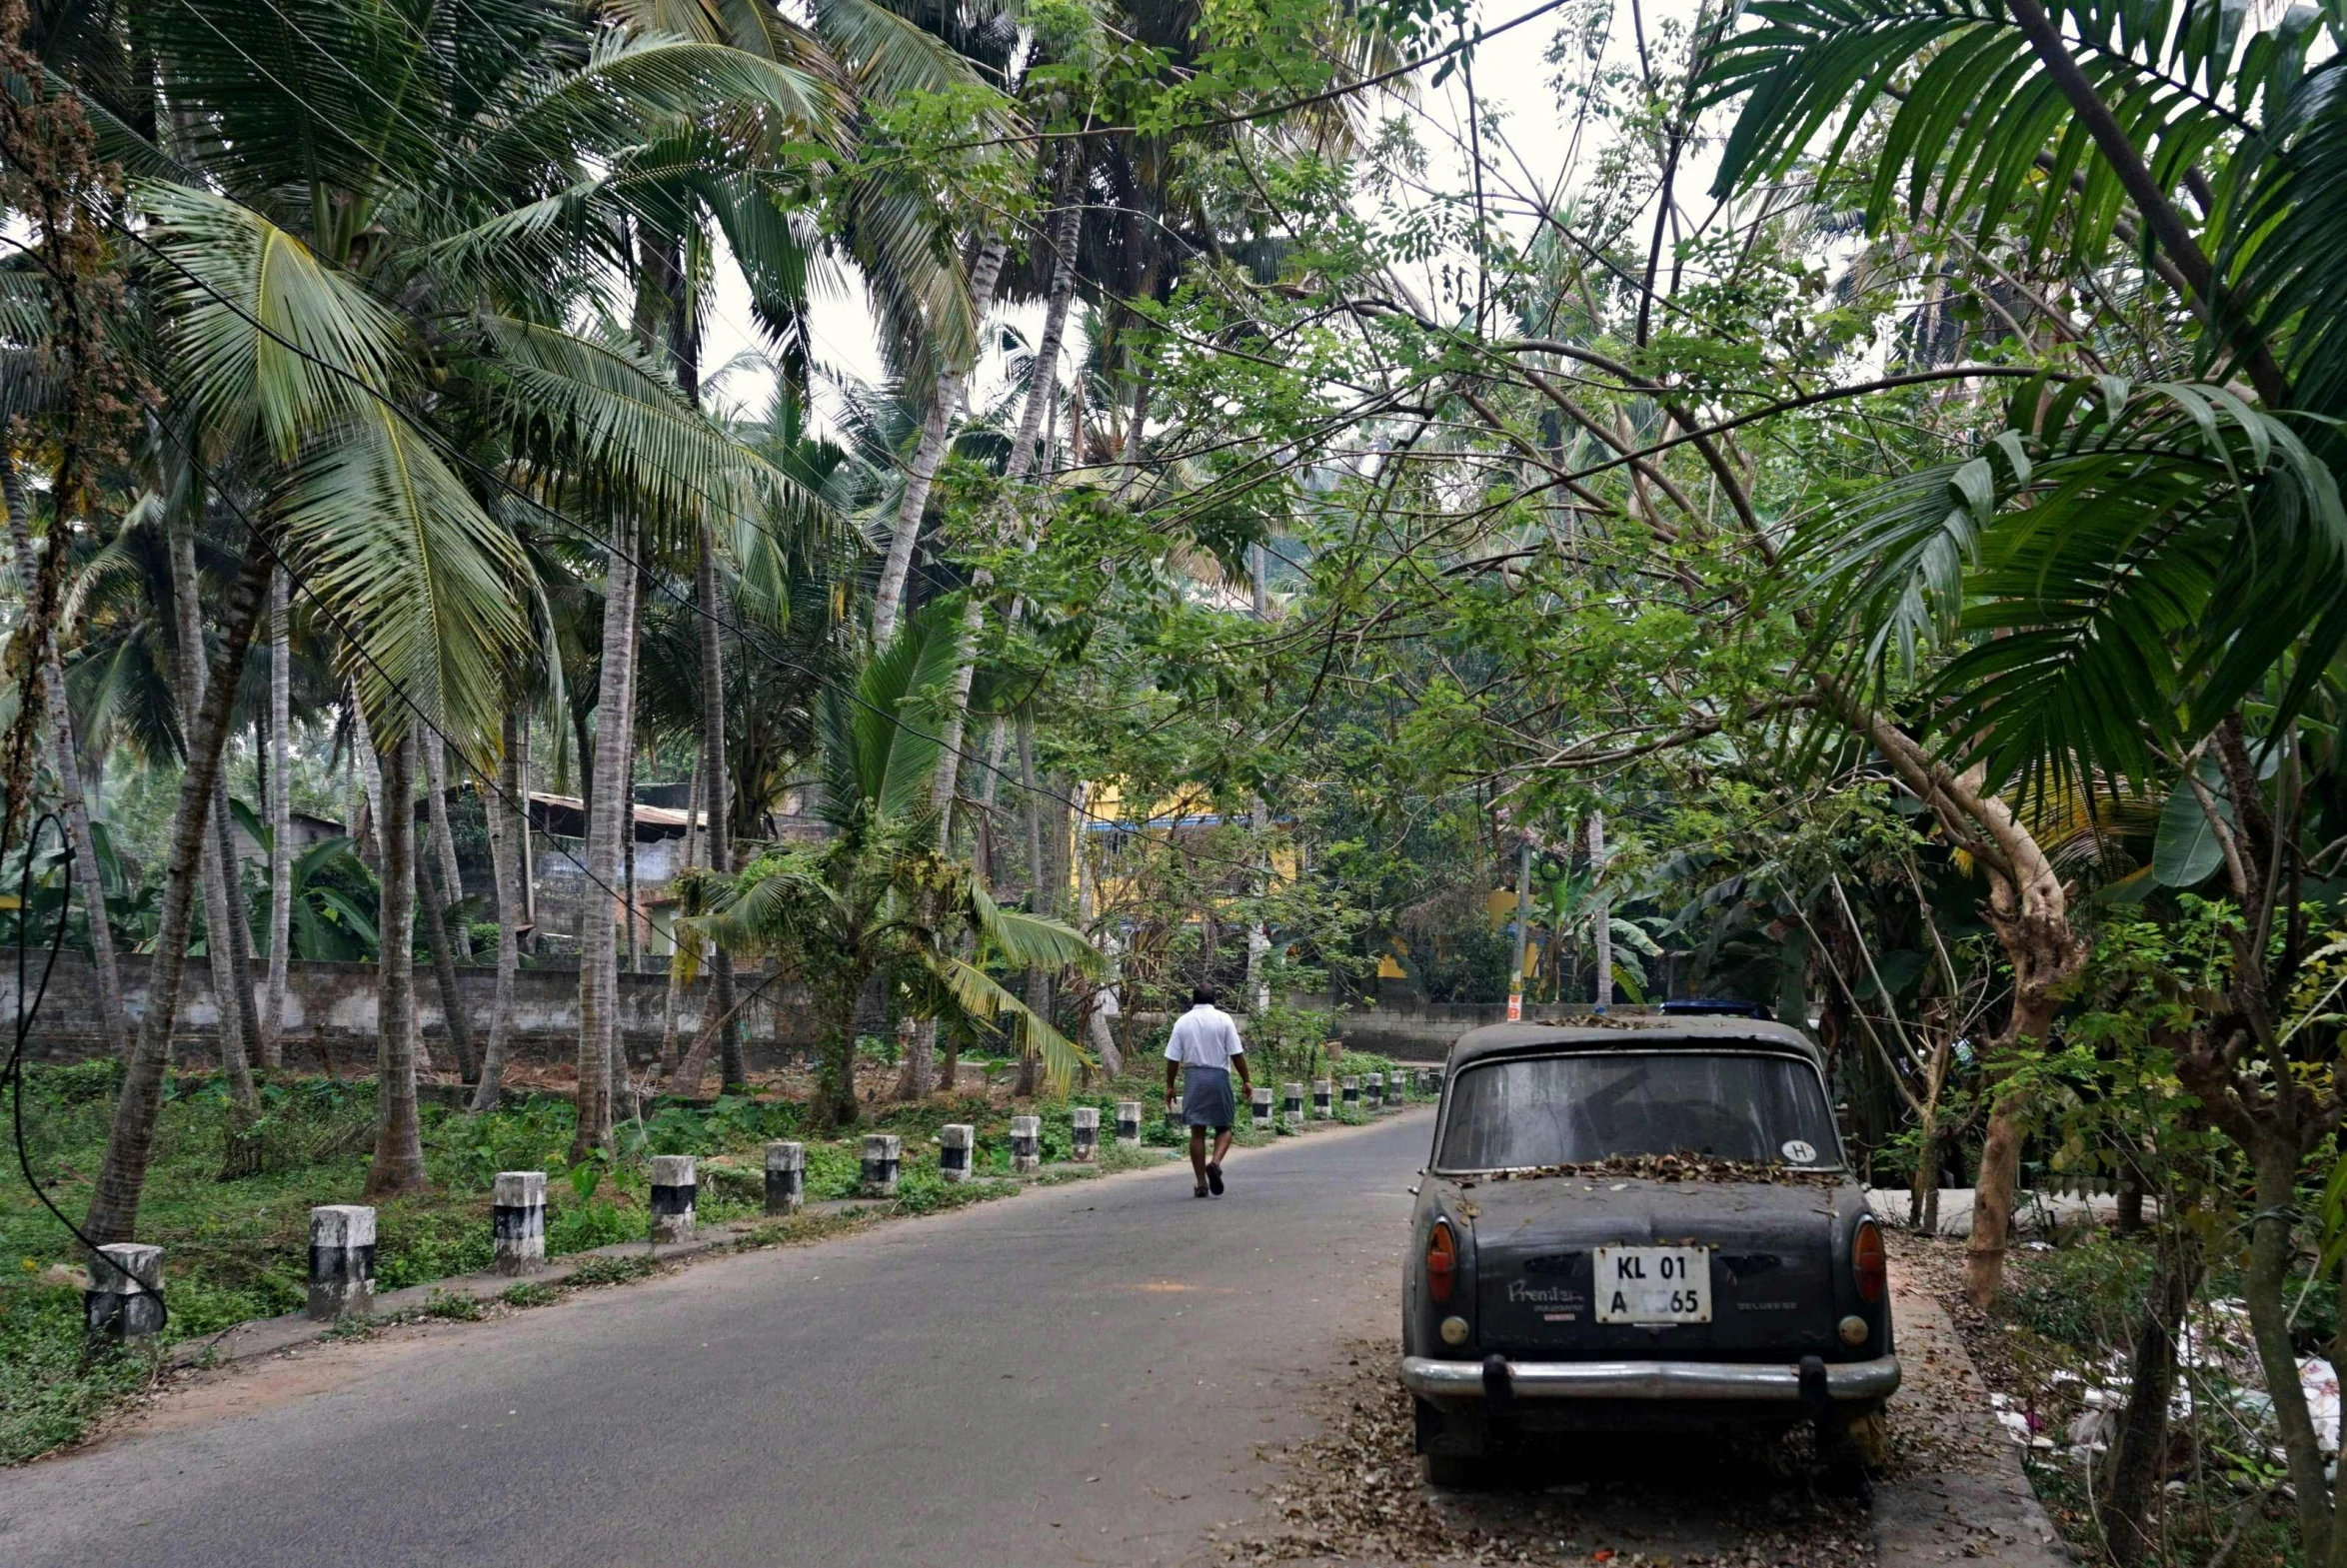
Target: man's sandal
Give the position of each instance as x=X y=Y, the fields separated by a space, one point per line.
x=1198 y=1192
x=1214 y=1177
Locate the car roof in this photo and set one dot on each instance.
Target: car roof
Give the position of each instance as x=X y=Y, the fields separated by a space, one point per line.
x=1630 y=1033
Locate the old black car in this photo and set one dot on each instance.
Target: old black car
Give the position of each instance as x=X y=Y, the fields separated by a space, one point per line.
x=1640 y=1227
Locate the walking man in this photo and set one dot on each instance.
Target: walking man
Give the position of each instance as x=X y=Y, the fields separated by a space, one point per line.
x=1204 y=1046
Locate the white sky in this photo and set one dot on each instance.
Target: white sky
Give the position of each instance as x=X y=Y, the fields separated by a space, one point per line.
x=1512 y=78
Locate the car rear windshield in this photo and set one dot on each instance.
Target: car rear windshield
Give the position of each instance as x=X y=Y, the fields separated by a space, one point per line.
x=1558 y=1110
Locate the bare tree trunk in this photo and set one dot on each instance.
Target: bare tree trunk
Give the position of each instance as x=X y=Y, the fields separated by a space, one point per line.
x=113 y=1019
x=444 y=840
x=399 y=1130
x=1600 y=912
x=280 y=820
x=607 y=819
x=936 y=430
x=114 y=1203
x=718 y=785
x=2140 y=1454
x=501 y=819
x=189 y=623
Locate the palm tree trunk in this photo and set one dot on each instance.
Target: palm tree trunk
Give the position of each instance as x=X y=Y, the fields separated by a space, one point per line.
x=240 y=927
x=114 y=1203
x=444 y=842
x=113 y=1019
x=607 y=818
x=444 y=971
x=280 y=822
x=503 y=817
x=719 y=786
x=675 y=985
x=399 y=1130
x=627 y=873
x=369 y=777
x=188 y=622
x=888 y=598
x=521 y=804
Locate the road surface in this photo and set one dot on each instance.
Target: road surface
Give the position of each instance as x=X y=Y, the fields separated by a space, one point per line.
x=1081 y=1374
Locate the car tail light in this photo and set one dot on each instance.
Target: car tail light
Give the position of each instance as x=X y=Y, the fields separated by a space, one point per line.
x=1442 y=1262
x=1866 y=1265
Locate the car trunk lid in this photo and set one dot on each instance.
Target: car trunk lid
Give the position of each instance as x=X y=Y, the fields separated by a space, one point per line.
x=1770 y=1246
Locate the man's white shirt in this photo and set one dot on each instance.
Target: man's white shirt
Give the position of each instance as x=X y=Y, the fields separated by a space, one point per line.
x=1204 y=1036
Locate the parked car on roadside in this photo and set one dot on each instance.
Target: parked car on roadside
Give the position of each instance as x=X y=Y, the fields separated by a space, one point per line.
x=1637 y=1226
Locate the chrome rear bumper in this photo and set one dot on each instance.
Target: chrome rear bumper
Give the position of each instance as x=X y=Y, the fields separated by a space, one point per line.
x=1757 y=1382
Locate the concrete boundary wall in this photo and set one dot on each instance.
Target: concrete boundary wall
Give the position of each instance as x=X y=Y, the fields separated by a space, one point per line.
x=338 y=999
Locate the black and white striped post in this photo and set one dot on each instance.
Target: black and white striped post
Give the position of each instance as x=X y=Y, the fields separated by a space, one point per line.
x=1291 y=1106
x=675 y=1183
x=1026 y=1143
x=1323 y=1099
x=884 y=1157
x=1083 y=1133
x=956 y=1144
x=341 y=1261
x=1352 y=1089
x=1398 y=1088
x=122 y=1300
x=1372 y=1089
x=1128 y=1122
x=786 y=1177
x=517 y=1219
x=1262 y=1099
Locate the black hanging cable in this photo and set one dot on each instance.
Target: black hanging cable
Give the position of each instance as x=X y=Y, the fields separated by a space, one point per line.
x=14 y=1073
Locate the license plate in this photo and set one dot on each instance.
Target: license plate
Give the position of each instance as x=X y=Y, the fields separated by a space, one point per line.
x=1653 y=1284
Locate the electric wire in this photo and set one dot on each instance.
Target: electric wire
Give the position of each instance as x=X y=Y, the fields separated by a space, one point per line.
x=14 y=1073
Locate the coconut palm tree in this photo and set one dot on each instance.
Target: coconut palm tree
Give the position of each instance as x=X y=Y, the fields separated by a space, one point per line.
x=878 y=907
x=367 y=236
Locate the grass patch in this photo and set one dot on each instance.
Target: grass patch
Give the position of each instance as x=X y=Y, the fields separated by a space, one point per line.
x=456 y=1306
x=529 y=1293
x=611 y=1271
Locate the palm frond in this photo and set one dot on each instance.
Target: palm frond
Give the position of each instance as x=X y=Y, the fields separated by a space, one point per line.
x=425 y=581
x=979 y=996
x=264 y=332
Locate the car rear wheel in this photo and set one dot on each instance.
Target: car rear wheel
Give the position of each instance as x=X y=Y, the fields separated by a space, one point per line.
x=1849 y=1450
x=1453 y=1472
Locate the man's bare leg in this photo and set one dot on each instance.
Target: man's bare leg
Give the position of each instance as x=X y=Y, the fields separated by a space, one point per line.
x=1221 y=1145
x=1198 y=1153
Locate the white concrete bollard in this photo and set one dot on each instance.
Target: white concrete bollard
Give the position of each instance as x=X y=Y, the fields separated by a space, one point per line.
x=675 y=1183
x=1397 y=1086
x=786 y=1177
x=1374 y=1089
x=957 y=1144
x=1083 y=1133
x=517 y=1219
x=1353 y=1090
x=1026 y=1143
x=123 y=1297
x=1262 y=1100
x=884 y=1157
x=341 y=1261
x=1324 y=1101
x=1291 y=1106
x=1128 y=1122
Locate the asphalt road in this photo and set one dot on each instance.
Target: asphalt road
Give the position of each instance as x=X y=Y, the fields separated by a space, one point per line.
x=1081 y=1374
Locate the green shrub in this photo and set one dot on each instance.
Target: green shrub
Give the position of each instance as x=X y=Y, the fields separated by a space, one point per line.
x=456 y=1305
x=49 y=1393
